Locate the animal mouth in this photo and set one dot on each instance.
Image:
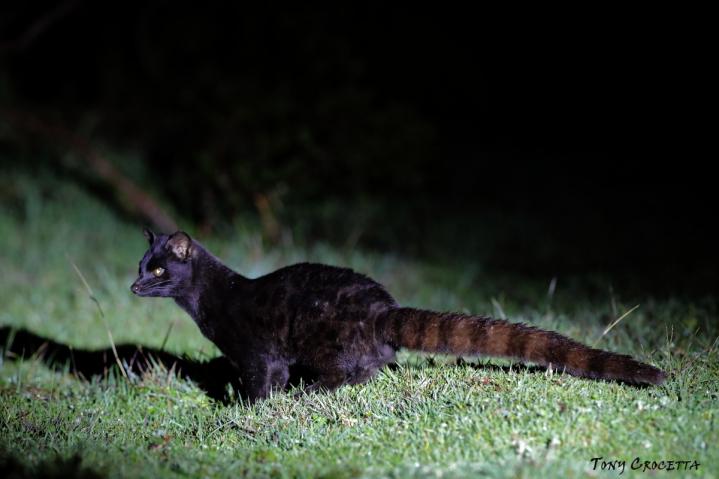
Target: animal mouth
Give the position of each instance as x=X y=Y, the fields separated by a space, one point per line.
x=137 y=289
x=150 y=289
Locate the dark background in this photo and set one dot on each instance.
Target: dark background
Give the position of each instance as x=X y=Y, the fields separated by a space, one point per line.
x=567 y=143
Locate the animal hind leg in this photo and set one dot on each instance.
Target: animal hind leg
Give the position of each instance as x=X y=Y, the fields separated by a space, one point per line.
x=332 y=379
x=328 y=381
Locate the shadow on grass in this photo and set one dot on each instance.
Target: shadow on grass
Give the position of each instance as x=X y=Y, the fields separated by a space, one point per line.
x=460 y=362
x=57 y=468
x=212 y=376
x=515 y=367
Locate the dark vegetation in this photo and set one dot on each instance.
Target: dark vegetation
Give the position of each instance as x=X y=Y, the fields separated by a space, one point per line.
x=543 y=152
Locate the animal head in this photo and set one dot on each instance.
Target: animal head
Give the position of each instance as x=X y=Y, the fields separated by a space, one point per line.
x=166 y=268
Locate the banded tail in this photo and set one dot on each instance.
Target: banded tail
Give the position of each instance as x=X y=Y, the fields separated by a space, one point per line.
x=460 y=334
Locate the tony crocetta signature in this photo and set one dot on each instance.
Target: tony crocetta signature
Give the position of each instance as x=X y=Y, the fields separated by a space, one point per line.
x=639 y=464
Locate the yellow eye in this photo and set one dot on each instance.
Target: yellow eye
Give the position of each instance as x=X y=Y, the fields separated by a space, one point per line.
x=158 y=271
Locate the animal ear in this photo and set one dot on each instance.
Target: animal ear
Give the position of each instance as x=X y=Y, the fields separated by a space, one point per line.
x=149 y=235
x=180 y=244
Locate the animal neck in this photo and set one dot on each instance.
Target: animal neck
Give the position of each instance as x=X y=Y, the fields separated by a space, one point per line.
x=211 y=284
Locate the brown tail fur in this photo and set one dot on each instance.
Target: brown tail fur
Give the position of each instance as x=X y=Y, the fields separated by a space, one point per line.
x=477 y=335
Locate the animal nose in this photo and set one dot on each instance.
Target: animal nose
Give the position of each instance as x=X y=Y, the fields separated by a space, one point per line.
x=135 y=287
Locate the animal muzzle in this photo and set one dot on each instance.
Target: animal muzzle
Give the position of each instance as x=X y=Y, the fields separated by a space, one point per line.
x=137 y=287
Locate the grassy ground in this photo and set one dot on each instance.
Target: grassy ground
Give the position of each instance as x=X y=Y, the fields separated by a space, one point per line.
x=429 y=417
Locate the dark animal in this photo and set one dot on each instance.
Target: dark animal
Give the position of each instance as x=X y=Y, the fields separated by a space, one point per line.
x=339 y=326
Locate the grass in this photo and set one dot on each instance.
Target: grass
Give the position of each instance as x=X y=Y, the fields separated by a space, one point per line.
x=429 y=417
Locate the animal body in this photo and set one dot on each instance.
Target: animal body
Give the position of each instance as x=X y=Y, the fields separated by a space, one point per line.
x=339 y=326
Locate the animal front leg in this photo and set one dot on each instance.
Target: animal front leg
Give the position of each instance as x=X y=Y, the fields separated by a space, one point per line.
x=264 y=376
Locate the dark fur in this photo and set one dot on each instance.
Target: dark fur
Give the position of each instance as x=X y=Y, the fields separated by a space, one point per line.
x=340 y=326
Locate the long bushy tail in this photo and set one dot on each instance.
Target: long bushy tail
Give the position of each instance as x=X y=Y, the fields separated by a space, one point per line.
x=477 y=335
